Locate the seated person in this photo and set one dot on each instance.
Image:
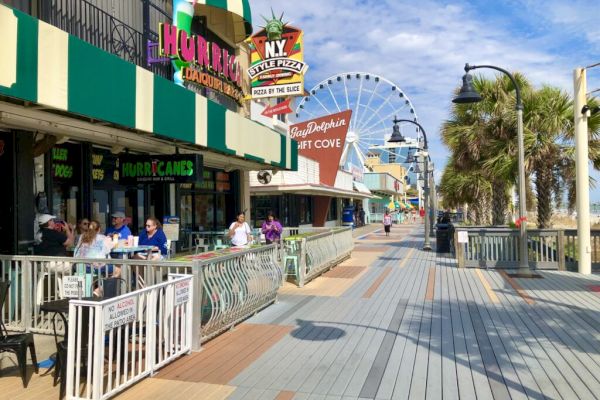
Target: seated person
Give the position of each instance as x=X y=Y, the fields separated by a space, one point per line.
x=56 y=237
x=93 y=244
x=118 y=226
x=153 y=236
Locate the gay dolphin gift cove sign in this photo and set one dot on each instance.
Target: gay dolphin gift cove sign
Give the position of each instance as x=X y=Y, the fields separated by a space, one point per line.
x=176 y=168
x=277 y=62
x=322 y=139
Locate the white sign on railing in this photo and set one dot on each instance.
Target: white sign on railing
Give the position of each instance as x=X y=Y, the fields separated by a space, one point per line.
x=182 y=292
x=73 y=286
x=463 y=237
x=120 y=313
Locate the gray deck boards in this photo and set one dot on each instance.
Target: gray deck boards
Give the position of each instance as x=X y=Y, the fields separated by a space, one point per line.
x=398 y=344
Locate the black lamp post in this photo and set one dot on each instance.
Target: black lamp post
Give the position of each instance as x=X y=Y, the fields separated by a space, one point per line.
x=426 y=243
x=468 y=94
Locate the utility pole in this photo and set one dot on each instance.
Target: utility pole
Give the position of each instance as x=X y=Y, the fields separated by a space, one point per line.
x=584 y=249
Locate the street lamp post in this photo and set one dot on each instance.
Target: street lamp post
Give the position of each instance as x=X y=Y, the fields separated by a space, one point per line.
x=468 y=94
x=398 y=138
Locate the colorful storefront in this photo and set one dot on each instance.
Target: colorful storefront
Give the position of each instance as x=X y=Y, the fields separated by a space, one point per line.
x=72 y=115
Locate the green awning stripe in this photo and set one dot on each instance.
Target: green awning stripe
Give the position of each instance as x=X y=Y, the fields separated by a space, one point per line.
x=174 y=110
x=27 y=59
x=100 y=84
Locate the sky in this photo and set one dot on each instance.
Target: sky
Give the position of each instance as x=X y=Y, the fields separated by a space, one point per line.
x=422 y=46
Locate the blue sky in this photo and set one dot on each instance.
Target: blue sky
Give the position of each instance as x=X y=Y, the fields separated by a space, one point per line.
x=423 y=46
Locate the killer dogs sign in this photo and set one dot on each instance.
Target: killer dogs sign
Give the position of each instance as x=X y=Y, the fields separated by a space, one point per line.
x=323 y=140
x=277 y=68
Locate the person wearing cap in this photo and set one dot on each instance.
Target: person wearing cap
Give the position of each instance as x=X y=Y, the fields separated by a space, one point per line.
x=56 y=238
x=118 y=226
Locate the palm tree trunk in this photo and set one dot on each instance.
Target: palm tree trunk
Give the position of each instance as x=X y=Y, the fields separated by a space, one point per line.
x=543 y=186
x=499 y=203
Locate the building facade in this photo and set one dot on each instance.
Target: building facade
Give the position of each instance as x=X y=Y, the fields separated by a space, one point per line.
x=86 y=92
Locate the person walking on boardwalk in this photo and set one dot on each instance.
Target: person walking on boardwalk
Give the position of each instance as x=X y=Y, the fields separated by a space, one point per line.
x=387 y=222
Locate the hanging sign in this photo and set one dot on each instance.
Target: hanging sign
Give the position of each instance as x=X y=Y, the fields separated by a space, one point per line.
x=281 y=108
x=323 y=140
x=119 y=313
x=199 y=62
x=175 y=168
x=277 y=65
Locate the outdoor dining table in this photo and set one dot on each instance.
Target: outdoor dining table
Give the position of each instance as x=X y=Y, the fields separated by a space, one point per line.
x=129 y=251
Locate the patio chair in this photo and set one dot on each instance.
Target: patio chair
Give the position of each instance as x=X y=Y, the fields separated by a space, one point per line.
x=17 y=344
x=201 y=245
x=220 y=245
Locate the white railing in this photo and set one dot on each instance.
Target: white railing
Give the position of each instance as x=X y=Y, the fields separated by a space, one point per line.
x=320 y=252
x=116 y=342
x=287 y=232
x=236 y=286
x=39 y=279
x=230 y=288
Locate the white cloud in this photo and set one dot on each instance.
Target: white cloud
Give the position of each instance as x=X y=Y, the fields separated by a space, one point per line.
x=422 y=46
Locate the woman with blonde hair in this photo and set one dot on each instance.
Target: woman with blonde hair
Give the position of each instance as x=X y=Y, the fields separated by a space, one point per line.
x=93 y=244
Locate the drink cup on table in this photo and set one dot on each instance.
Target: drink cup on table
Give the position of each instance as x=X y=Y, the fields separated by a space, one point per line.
x=136 y=241
x=130 y=241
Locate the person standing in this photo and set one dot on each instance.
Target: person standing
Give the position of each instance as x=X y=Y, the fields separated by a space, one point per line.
x=387 y=222
x=272 y=229
x=361 y=216
x=56 y=238
x=118 y=226
x=239 y=231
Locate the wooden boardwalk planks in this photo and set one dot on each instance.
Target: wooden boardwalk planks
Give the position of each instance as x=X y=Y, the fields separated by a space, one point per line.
x=394 y=322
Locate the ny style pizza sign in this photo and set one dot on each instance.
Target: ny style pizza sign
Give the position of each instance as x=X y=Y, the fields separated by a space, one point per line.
x=323 y=140
x=277 y=68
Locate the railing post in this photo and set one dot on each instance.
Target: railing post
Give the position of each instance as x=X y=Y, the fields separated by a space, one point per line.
x=27 y=293
x=198 y=272
x=459 y=249
x=560 y=251
x=98 y=351
x=302 y=263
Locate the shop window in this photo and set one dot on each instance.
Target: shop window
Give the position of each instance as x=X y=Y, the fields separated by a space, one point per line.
x=332 y=212
x=65 y=162
x=305 y=210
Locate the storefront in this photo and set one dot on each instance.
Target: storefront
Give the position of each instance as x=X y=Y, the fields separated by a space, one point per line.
x=70 y=114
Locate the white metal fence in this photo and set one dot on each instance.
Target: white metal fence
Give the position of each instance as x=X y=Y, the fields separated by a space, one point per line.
x=318 y=253
x=230 y=288
x=498 y=247
x=38 y=279
x=237 y=286
x=116 y=342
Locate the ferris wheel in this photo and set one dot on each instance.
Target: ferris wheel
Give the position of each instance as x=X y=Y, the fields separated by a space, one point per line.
x=375 y=102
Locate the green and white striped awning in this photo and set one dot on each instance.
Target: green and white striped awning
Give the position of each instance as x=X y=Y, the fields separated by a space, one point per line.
x=41 y=64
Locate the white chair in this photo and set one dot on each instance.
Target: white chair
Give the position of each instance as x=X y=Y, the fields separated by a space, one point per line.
x=200 y=245
x=169 y=249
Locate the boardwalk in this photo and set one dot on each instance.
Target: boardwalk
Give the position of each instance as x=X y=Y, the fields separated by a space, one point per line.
x=394 y=322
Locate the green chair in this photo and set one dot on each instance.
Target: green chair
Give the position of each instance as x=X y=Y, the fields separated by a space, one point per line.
x=291 y=261
x=220 y=245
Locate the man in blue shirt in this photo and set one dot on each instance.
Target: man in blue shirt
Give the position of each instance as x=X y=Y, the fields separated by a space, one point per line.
x=118 y=226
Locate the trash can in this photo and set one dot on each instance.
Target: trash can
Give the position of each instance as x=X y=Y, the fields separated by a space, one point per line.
x=443 y=233
x=348 y=216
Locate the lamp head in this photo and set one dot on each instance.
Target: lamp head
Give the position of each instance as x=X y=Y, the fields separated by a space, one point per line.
x=396 y=135
x=467 y=93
